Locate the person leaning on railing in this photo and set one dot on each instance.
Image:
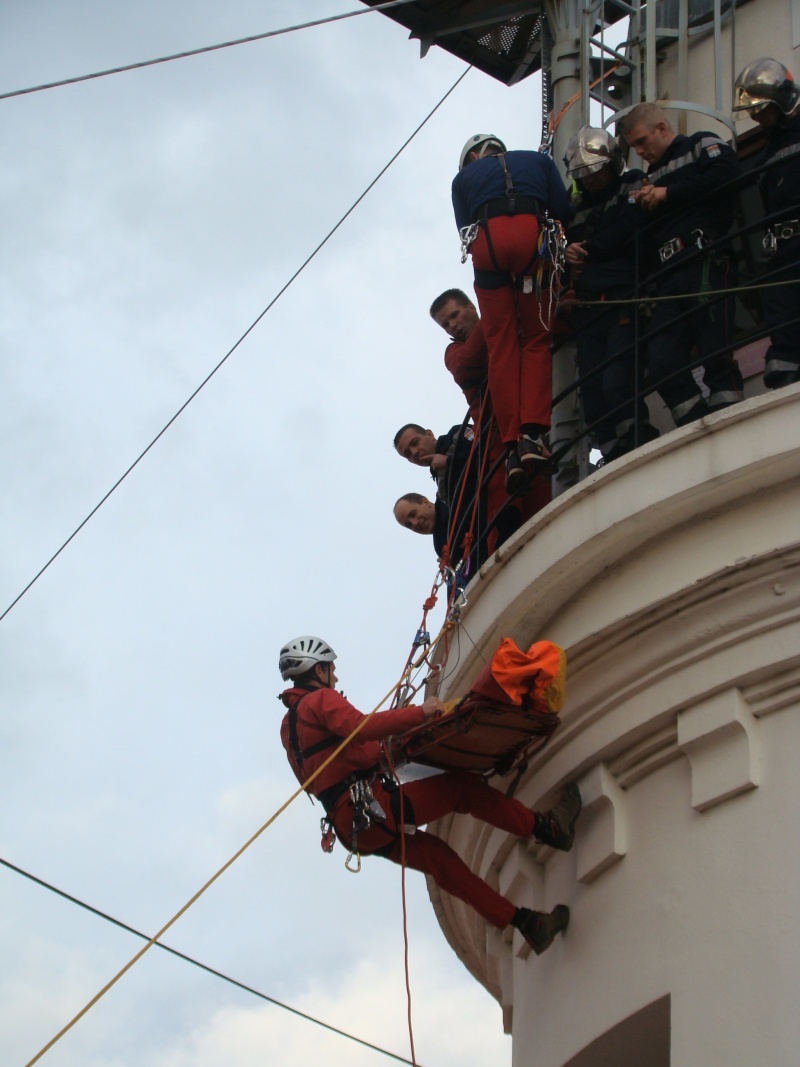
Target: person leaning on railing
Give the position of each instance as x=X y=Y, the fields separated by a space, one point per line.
x=689 y=195
x=768 y=93
x=446 y=456
x=601 y=259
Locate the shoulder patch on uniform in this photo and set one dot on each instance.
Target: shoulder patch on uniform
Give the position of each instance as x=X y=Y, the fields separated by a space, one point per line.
x=713 y=150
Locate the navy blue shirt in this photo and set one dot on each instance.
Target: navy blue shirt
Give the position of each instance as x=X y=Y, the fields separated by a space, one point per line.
x=606 y=223
x=694 y=169
x=532 y=173
x=780 y=185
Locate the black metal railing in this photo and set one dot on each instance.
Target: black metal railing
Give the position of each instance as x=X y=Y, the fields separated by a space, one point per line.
x=750 y=280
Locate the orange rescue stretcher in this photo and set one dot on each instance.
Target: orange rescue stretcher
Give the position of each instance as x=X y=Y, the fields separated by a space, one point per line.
x=510 y=712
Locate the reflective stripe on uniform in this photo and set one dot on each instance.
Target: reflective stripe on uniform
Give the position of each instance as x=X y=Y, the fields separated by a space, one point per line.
x=685 y=159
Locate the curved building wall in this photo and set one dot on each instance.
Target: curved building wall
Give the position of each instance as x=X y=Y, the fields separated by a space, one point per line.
x=671 y=580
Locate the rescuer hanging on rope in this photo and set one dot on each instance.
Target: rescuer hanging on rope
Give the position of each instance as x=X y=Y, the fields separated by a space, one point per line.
x=363 y=804
x=507 y=206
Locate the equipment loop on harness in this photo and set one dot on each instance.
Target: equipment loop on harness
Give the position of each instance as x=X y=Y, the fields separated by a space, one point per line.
x=467 y=235
x=328 y=834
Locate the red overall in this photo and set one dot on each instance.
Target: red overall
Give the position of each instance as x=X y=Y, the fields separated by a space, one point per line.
x=468 y=362
x=517 y=340
x=324 y=715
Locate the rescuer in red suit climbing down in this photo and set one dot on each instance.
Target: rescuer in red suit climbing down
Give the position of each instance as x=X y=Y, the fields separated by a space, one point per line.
x=503 y=196
x=319 y=718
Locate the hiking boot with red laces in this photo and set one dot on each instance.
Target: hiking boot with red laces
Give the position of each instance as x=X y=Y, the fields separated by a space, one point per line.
x=556 y=827
x=533 y=451
x=540 y=927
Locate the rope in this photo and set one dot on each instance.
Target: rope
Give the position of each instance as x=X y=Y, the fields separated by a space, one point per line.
x=197 y=963
x=192 y=900
x=202 y=51
x=393 y=772
x=233 y=348
x=576 y=97
x=446 y=555
x=685 y=296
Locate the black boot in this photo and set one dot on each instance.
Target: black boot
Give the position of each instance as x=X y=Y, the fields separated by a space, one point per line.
x=556 y=827
x=539 y=928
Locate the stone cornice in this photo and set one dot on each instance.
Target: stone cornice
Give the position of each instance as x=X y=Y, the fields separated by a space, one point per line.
x=672 y=579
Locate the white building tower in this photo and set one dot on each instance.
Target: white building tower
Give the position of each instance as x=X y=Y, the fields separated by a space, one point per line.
x=672 y=580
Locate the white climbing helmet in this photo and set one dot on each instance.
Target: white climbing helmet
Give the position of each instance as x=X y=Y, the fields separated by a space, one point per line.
x=481 y=141
x=301 y=654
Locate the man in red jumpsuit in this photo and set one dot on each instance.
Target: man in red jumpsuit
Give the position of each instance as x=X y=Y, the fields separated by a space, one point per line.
x=467 y=359
x=500 y=199
x=319 y=718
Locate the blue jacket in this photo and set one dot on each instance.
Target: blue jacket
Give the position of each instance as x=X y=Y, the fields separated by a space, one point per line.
x=780 y=185
x=606 y=223
x=693 y=169
x=532 y=173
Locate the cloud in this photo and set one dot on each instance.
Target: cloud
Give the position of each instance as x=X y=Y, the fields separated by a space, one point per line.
x=451 y=1024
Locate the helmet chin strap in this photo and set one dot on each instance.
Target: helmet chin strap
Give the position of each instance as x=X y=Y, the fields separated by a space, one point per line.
x=327 y=684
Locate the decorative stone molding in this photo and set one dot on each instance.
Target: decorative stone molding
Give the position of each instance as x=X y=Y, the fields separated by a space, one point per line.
x=721 y=738
x=602 y=838
x=672 y=581
x=521 y=880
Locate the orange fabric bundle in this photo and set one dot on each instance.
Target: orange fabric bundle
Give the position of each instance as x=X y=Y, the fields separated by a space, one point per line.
x=538 y=675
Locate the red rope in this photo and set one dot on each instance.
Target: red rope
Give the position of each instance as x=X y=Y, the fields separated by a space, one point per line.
x=455 y=511
x=405 y=922
x=388 y=757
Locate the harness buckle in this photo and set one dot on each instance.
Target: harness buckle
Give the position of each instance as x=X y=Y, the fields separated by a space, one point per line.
x=670 y=248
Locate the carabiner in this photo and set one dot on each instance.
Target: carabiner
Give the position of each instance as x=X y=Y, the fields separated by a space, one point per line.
x=353 y=870
x=467 y=235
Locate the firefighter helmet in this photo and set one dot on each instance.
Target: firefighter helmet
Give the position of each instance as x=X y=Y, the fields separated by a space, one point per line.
x=480 y=141
x=763 y=82
x=301 y=654
x=590 y=150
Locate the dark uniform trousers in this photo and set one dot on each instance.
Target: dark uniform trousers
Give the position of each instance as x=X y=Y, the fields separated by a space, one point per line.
x=694 y=329
x=781 y=305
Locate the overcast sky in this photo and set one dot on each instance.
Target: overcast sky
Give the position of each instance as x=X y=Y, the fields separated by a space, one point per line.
x=147 y=219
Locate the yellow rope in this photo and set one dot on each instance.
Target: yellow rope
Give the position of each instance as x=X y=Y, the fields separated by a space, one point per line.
x=220 y=872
